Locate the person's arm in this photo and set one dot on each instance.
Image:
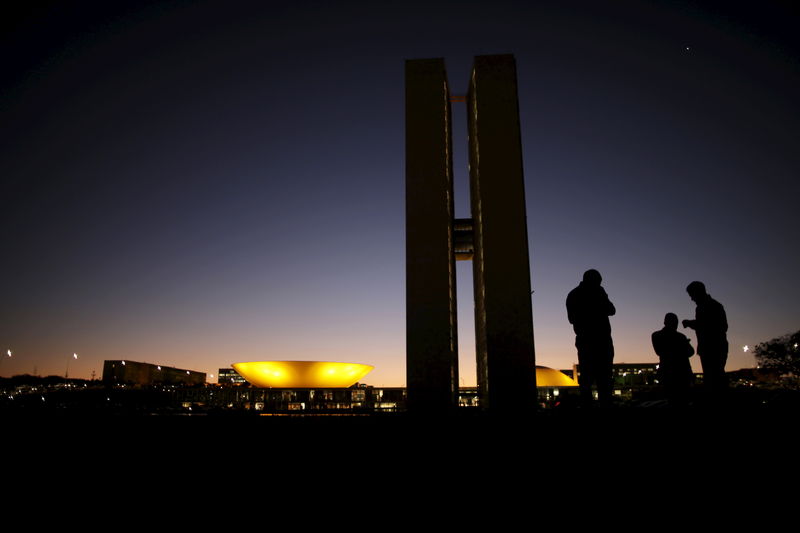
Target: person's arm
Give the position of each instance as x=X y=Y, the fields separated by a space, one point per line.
x=610 y=309
x=656 y=344
x=692 y=323
x=570 y=309
x=688 y=347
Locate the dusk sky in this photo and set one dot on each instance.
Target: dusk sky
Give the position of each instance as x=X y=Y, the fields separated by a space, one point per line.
x=201 y=183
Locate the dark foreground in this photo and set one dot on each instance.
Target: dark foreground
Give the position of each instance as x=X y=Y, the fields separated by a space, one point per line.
x=650 y=461
x=737 y=433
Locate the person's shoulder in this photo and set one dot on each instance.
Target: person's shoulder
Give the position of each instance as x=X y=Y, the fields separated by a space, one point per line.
x=714 y=304
x=659 y=334
x=574 y=292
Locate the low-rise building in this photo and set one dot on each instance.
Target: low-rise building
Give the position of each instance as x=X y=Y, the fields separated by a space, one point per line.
x=136 y=373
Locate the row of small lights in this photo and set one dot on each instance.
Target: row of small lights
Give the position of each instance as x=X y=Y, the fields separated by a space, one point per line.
x=75 y=356
x=159 y=368
x=8 y=352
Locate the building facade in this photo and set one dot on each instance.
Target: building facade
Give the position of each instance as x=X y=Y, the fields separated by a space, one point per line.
x=495 y=238
x=136 y=373
x=229 y=376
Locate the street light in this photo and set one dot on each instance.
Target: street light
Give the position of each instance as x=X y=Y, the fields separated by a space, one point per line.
x=74 y=356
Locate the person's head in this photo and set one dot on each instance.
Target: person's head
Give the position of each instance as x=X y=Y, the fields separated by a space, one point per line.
x=592 y=277
x=671 y=321
x=696 y=290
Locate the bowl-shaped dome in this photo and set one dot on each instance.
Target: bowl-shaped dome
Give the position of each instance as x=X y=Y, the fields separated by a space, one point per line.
x=302 y=374
x=548 y=377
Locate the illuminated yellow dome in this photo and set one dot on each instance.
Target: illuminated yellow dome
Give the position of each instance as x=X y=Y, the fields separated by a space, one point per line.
x=302 y=374
x=547 y=377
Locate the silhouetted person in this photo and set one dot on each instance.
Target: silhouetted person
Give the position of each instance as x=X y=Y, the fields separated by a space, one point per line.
x=711 y=326
x=674 y=350
x=588 y=309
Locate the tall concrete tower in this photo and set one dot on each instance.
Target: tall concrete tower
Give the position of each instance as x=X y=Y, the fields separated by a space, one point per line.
x=495 y=239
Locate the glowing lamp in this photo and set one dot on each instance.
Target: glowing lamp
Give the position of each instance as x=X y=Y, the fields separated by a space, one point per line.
x=302 y=374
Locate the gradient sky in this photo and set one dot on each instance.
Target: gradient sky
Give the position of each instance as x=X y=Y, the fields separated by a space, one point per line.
x=201 y=183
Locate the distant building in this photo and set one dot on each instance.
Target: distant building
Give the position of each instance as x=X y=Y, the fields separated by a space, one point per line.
x=633 y=375
x=627 y=378
x=625 y=375
x=326 y=398
x=136 y=373
x=360 y=399
x=229 y=376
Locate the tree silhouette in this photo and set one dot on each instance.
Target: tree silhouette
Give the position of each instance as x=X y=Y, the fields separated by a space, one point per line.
x=781 y=354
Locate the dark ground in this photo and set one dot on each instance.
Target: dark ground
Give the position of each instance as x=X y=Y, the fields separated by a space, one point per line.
x=735 y=432
x=656 y=462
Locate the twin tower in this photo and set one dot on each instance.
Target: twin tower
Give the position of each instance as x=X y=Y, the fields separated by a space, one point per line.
x=495 y=239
